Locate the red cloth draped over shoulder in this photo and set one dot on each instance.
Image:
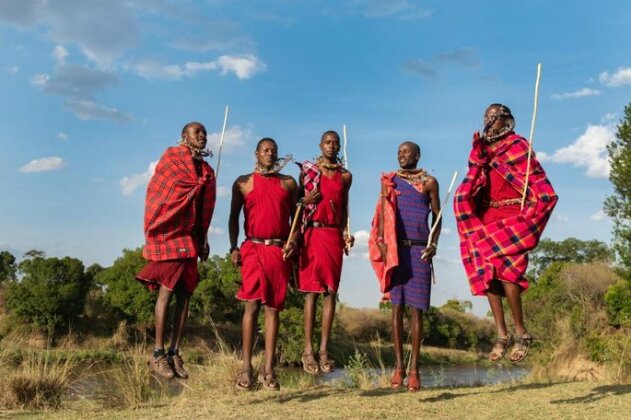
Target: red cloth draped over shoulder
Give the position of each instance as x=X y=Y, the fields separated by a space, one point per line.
x=384 y=271
x=322 y=255
x=172 y=228
x=498 y=249
x=264 y=273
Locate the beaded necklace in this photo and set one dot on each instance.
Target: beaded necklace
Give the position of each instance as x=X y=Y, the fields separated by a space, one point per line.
x=412 y=176
x=276 y=167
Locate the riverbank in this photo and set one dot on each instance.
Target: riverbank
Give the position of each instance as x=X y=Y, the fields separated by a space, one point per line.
x=534 y=400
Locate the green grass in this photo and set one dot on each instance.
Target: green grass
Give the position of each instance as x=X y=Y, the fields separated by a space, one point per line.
x=536 y=400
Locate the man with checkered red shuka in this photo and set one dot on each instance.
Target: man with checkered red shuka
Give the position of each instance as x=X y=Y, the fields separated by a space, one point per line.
x=496 y=233
x=178 y=209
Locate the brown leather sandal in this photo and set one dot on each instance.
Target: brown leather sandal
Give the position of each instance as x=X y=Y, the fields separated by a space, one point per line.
x=310 y=364
x=270 y=381
x=499 y=348
x=326 y=365
x=521 y=348
x=245 y=381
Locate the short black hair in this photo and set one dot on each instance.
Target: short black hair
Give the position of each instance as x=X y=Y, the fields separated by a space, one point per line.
x=191 y=123
x=263 y=140
x=411 y=143
x=331 y=132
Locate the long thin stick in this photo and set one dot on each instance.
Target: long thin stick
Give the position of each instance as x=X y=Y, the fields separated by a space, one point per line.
x=294 y=224
x=223 y=133
x=532 y=135
x=430 y=238
x=348 y=213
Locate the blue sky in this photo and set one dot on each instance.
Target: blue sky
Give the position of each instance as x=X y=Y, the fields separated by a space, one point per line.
x=94 y=91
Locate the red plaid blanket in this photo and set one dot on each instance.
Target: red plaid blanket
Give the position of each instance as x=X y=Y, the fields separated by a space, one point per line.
x=310 y=175
x=500 y=249
x=171 y=215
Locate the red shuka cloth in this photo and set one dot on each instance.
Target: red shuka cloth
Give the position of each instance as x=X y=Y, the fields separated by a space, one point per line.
x=264 y=274
x=173 y=227
x=169 y=273
x=494 y=244
x=322 y=253
x=384 y=271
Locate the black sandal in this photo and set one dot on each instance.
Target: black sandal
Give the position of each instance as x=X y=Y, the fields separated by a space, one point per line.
x=521 y=348
x=499 y=348
x=270 y=381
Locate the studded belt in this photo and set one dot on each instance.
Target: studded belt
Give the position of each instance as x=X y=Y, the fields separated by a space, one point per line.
x=267 y=241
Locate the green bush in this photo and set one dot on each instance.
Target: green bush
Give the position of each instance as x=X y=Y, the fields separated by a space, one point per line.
x=51 y=293
x=618 y=299
x=123 y=292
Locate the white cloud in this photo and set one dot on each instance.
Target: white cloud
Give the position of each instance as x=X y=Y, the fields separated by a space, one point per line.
x=560 y=217
x=86 y=109
x=576 y=94
x=609 y=118
x=619 y=78
x=235 y=138
x=361 y=238
x=223 y=191
x=132 y=182
x=62 y=136
x=216 y=231
x=446 y=231
x=599 y=216
x=13 y=69
x=60 y=54
x=243 y=66
x=588 y=151
x=51 y=163
x=78 y=84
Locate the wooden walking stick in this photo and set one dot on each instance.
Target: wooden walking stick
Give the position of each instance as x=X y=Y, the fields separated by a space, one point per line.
x=223 y=133
x=294 y=225
x=532 y=135
x=432 y=232
x=347 y=247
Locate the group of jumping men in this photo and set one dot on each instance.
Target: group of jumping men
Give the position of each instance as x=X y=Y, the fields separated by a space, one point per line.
x=297 y=233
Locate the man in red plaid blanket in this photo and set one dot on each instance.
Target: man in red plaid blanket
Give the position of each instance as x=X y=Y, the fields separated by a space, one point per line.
x=495 y=233
x=178 y=210
x=325 y=185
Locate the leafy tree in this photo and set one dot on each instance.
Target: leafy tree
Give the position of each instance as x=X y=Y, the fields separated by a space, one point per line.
x=123 y=292
x=618 y=205
x=51 y=292
x=7 y=266
x=215 y=294
x=618 y=299
x=458 y=305
x=570 y=250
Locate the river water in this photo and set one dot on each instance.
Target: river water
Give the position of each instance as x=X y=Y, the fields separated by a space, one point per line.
x=450 y=375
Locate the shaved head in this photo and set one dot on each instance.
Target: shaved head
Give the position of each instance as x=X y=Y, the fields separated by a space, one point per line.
x=413 y=145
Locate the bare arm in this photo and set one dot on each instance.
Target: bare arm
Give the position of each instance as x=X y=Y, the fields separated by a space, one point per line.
x=291 y=246
x=347 y=178
x=233 y=222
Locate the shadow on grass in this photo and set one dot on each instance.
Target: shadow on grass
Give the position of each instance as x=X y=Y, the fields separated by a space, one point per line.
x=452 y=393
x=303 y=396
x=597 y=394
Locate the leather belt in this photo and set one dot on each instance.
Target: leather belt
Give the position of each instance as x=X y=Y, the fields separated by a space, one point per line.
x=501 y=203
x=412 y=242
x=267 y=241
x=322 y=225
